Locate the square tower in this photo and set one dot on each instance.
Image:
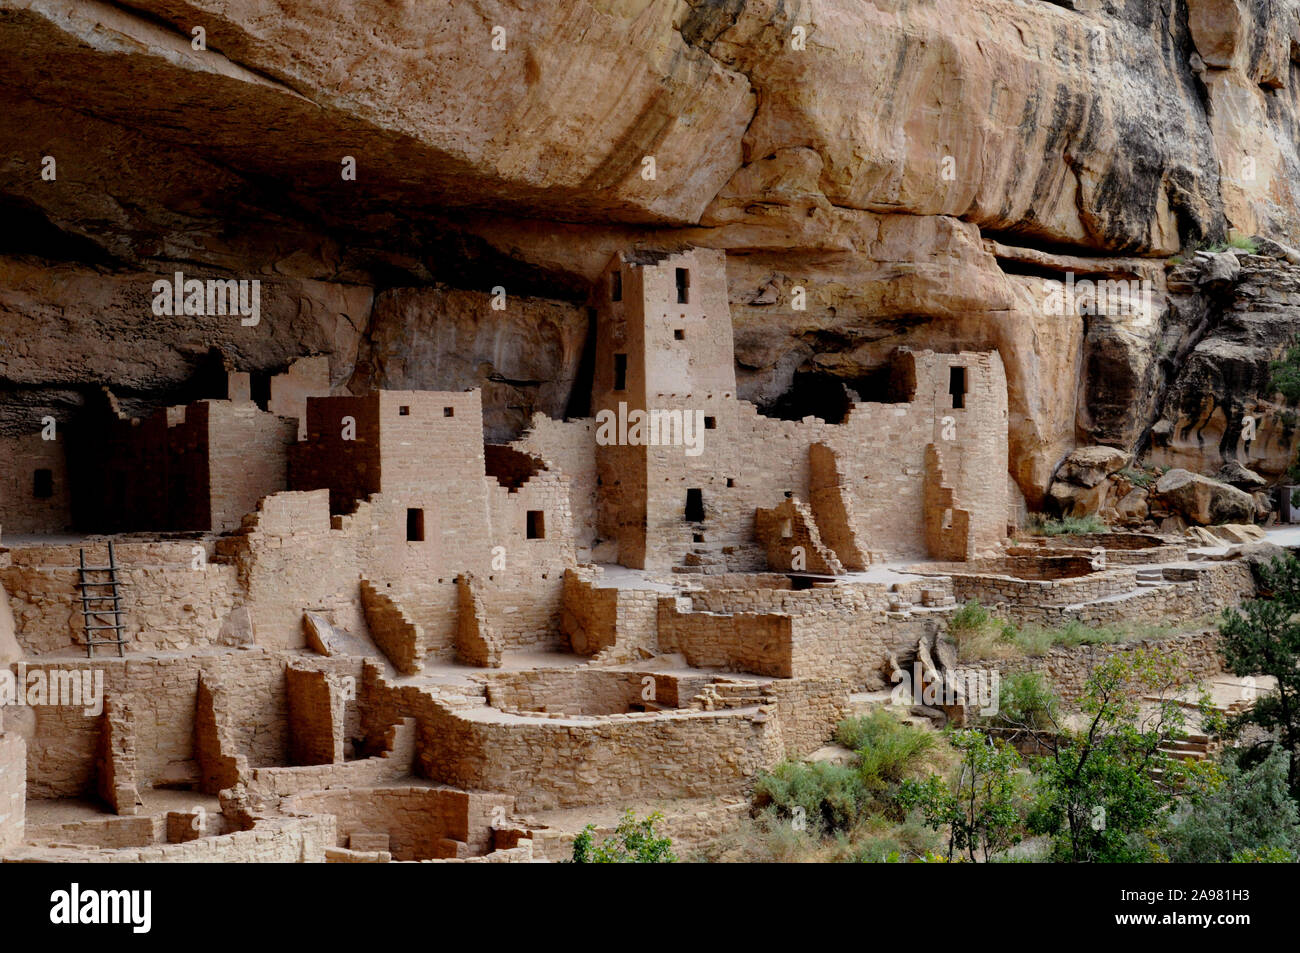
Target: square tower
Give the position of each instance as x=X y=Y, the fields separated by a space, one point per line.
x=664 y=396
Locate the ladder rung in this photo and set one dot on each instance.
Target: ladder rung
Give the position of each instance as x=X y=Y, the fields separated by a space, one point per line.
x=92 y=619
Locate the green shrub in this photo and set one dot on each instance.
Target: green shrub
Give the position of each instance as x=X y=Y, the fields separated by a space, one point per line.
x=1231 y=811
x=1025 y=701
x=831 y=798
x=972 y=615
x=980 y=635
x=633 y=842
x=1138 y=477
x=888 y=749
x=979 y=806
x=1265 y=855
x=825 y=797
x=1040 y=525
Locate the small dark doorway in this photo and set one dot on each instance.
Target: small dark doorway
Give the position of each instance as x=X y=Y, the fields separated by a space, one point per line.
x=957 y=387
x=694 y=505
x=259 y=386
x=415 y=526
x=616 y=286
x=683 y=286
x=536 y=524
x=43 y=484
x=620 y=372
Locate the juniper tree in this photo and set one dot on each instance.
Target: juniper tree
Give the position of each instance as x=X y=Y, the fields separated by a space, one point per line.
x=1263 y=638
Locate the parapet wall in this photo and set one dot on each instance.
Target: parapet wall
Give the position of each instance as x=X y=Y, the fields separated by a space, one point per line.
x=998 y=589
x=1189 y=593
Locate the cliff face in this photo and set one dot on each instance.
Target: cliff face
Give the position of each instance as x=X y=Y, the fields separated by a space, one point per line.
x=927 y=171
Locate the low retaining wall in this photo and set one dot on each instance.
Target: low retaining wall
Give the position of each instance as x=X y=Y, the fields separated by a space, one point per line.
x=1067 y=669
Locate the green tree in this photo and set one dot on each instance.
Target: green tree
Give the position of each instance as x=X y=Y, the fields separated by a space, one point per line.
x=1264 y=639
x=633 y=842
x=1100 y=799
x=979 y=806
x=1230 y=812
x=1285 y=373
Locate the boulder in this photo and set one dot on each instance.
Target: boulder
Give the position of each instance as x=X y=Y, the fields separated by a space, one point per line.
x=1231 y=533
x=1276 y=249
x=1088 y=466
x=1258 y=555
x=1219 y=272
x=1074 y=500
x=1202 y=537
x=1239 y=476
x=1173 y=525
x=1204 y=501
x=833 y=754
x=1133 y=507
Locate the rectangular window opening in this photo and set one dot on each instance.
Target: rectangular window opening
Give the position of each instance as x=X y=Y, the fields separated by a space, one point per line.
x=415 y=526
x=679 y=334
x=694 y=505
x=43 y=484
x=616 y=286
x=683 y=286
x=957 y=387
x=449 y=411
x=404 y=411
x=536 y=524
x=710 y=423
x=620 y=372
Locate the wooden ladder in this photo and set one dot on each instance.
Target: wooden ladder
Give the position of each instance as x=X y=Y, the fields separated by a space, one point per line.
x=97 y=606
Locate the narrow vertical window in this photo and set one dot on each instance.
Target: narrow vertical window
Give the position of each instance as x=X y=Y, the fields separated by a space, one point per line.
x=957 y=387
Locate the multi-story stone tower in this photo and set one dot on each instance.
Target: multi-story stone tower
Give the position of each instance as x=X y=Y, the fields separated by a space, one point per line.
x=664 y=348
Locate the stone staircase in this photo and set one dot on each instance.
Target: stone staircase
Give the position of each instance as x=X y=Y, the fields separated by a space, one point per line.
x=1192 y=747
x=722 y=695
x=703 y=556
x=1150 y=577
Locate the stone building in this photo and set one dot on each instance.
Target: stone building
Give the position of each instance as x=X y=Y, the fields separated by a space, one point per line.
x=683 y=464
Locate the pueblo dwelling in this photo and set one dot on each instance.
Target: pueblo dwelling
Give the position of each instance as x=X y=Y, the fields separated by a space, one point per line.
x=340 y=627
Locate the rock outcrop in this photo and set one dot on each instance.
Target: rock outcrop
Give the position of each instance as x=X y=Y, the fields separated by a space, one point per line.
x=1204 y=501
x=921 y=174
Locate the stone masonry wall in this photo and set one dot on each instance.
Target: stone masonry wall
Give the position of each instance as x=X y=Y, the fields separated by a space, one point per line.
x=13 y=789
x=62 y=753
x=421 y=823
x=548 y=762
x=1067 y=669
x=20 y=510
x=168 y=603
